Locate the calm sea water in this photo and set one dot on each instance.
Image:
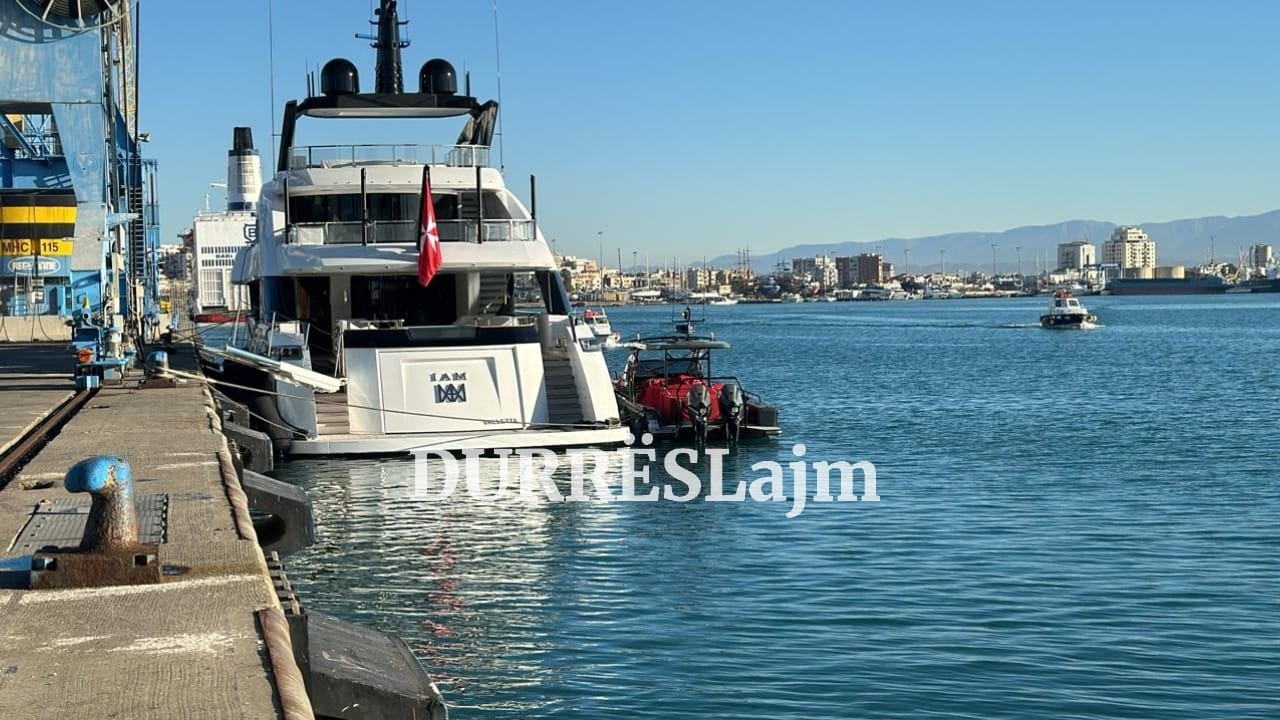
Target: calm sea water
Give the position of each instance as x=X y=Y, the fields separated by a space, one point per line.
x=1072 y=525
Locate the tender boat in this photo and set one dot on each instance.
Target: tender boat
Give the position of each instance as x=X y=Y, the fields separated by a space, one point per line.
x=479 y=350
x=598 y=323
x=667 y=389
x=1066 y=313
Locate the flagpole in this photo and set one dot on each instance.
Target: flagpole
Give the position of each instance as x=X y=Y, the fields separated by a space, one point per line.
x=422 y=201
x=429 y=250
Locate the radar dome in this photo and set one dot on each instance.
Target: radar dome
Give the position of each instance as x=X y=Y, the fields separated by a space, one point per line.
x=437 y=76
x=339 y=77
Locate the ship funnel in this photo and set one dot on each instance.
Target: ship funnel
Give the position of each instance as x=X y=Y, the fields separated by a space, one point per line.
x=244 y=171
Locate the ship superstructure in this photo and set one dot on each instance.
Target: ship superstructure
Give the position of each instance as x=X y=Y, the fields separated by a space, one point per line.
x=486 y=355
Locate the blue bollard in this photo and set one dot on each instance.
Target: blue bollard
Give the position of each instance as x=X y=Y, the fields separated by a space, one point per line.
x=157 y=363
x=113 y=517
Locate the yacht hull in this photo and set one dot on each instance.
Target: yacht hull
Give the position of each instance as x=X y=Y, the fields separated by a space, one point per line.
x=1068 y=322
x=550 y=438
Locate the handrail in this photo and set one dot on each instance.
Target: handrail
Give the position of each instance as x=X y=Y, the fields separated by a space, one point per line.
x=329 y=156
x=406 y=231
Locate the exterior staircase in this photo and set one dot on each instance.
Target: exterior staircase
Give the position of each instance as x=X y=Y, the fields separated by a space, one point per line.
x=493 y=293
x=563 y=406
x=331 y=414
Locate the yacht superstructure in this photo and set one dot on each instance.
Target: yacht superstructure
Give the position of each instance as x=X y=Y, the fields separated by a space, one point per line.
x=486 y=355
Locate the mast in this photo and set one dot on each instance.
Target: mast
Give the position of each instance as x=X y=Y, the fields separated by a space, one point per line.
x=388 y=73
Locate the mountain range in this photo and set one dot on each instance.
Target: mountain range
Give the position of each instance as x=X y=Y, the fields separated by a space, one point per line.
x=1178 y=242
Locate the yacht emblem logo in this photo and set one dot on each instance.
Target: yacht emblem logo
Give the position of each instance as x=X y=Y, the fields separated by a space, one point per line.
x=450 y=387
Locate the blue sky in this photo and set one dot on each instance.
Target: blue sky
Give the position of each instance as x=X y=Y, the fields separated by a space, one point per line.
x=690 y=129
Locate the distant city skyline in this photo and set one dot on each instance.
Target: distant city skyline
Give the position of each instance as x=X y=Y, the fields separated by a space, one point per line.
x=693 y=129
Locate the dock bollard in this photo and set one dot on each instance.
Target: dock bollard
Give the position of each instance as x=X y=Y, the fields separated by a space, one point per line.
x=157 y=363
x=113 y=518
x=110 y=552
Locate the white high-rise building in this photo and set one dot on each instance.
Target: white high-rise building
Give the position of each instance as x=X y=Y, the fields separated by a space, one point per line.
x=1076 y=255
x=1261 y=255
x=1129 y=248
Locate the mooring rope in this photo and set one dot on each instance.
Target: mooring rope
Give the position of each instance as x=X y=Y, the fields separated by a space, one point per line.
x=295 y=704
x=411 y=413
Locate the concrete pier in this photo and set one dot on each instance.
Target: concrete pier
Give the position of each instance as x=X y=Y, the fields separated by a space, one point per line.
x=34 y=379
x=209 y=640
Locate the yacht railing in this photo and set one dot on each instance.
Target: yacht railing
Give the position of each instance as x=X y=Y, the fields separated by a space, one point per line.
x=406 y=231
x=327 y=156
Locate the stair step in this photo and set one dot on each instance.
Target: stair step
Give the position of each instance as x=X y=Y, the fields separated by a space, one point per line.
x=563 y=405
x=332 y=414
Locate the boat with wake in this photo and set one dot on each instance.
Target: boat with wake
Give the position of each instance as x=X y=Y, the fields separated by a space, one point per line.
x=668 y=390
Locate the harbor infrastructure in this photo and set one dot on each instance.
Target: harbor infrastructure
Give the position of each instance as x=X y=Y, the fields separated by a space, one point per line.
x=134 y=580
x=189 y=644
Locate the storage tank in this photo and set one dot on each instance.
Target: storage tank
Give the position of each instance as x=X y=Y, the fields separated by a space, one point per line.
x=1171 y=272
x=1145 y=273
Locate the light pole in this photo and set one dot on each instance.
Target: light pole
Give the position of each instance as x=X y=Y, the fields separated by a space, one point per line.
x=1018 y=249
x=993 y=261
x=907 y=261
x=942 y=256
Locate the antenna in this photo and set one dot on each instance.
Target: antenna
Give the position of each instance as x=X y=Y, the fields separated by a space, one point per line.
x=497 y=57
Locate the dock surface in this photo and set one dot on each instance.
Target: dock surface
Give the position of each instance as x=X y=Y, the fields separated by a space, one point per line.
x=193 y=645
x=34 y=379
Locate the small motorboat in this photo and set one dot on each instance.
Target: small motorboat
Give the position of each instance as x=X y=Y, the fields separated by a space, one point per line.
x=1066 y=313
x=598 y=323
x=667 y=389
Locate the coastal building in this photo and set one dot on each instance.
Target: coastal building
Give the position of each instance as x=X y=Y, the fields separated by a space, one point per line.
x=820 y=270
x=1260 y=255
x=1076 y=255
x=173 y=261
x=846 y=271
x=870 y=268
x=584 y=273
x=698 y=279
x=828 y=277
x=1131 y=251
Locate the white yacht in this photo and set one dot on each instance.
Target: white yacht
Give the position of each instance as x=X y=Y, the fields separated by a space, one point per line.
x=350 y=353
x=598 y=323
